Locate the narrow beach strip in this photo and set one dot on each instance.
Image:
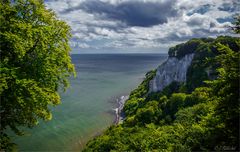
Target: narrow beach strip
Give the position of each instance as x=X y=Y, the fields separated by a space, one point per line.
x=119 y=110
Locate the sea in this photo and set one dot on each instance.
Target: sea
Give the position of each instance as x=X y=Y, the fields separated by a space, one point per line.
x=88 y=106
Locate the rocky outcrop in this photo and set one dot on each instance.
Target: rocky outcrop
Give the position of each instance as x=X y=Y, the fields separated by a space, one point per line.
x=173 y=69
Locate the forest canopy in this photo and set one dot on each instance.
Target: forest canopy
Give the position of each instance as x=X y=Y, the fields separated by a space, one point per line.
x=201 y=114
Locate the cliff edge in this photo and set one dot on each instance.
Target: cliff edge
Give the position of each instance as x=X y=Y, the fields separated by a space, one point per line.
x=173 y=69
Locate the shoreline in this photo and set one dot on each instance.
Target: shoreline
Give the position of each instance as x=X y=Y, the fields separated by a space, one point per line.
x=119 y=115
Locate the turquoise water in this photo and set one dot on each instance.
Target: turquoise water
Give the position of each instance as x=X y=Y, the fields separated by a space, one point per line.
x=87 y=106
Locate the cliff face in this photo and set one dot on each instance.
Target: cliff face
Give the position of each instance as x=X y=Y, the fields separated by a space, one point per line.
x=173 y=69
x=163 y=112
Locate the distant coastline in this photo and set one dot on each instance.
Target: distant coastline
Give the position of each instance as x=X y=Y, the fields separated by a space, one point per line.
x=97 y=53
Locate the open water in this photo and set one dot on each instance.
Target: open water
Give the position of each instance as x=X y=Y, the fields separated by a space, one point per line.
x=87 y=107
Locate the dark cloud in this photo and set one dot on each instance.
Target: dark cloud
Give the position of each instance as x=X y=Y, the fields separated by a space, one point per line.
x=132 y=13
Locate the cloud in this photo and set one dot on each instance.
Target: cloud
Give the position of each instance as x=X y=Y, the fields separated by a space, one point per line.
x=132 y=13
x=79 y=45
x=148 y=24
x=231 y=6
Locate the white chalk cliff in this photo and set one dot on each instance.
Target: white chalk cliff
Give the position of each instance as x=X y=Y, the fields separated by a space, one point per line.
x=171 y=70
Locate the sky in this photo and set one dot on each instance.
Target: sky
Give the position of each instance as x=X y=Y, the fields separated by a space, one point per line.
x=142 y=26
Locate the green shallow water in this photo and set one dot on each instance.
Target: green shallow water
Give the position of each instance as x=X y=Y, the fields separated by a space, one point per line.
x=87 y=106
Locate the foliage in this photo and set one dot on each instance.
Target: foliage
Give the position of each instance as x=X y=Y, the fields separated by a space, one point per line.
x=138 y=95
x=181 y=50
x=226 y=89
x=35 y=64
x=203 y=49
x=204 y=117
x=202 y=68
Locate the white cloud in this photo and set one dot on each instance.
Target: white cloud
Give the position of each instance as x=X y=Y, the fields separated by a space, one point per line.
x=198 y=18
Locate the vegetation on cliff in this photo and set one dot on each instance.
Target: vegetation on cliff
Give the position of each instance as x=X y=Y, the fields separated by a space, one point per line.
x=200 y=114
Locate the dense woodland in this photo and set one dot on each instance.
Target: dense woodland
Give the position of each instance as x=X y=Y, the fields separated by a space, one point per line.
x=201 y=114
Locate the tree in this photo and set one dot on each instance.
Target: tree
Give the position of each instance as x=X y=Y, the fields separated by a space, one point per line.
x=35 y=64
x=226 y=89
